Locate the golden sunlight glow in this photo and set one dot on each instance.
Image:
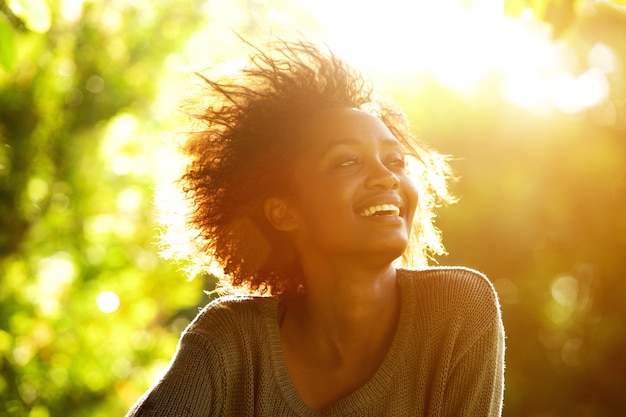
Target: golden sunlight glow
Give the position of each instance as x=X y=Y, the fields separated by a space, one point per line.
x=602 y=57
x=572 y=94
x=461 y=46
x=524 y=89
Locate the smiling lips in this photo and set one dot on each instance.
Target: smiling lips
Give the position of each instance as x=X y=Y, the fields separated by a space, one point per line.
x=381 y=210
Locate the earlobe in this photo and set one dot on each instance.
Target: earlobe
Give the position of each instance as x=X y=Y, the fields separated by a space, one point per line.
x=280 y=214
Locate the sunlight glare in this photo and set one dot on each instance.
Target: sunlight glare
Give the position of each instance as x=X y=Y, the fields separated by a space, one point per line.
x=527 y=14
x=602 y=57
x=460 y=46
x=573 y=94
x=492 y=8
x=524 y=89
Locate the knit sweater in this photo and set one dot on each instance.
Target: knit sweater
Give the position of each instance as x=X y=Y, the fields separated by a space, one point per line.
x=446 y=358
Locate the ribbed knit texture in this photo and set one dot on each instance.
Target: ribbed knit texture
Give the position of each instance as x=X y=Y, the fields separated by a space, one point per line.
x=446 y=359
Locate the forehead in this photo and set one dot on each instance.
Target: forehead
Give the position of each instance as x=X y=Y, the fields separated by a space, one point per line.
x=345 y=125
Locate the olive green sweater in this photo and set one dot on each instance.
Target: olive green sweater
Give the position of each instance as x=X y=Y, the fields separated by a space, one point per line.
x=446 y=359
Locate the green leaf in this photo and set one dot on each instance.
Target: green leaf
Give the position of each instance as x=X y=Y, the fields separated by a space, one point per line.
x=34 y=13
x=8 y=50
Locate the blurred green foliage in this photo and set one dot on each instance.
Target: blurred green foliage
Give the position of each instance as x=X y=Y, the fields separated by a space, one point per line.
x=83 y=98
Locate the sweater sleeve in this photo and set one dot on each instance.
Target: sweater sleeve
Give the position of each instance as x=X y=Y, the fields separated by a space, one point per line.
x=475 y=386
x=191 y=385
x=465 y=344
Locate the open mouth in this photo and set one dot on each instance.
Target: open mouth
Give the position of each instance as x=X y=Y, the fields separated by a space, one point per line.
x=381 y=210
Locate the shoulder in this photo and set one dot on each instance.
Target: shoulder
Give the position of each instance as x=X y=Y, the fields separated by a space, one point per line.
x=231 y=314
x=457 y=290
x=450 y=280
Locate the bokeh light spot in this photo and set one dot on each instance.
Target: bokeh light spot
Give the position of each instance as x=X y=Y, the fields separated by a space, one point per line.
x=55 y=274
x=108 y=301
x=602 y=57
x=129 y=200
x=573 y=94
x=571 y=352
x=565 y=290
x=141 y=340
x=95 y=84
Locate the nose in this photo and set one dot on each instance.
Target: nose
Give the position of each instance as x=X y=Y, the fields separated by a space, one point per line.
x=380 y=176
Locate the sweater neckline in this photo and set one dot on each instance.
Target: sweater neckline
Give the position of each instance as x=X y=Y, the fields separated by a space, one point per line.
x=368 y=393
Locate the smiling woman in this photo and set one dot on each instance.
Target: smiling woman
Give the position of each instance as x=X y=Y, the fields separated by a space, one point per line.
x=352 y=195
x=299 y=187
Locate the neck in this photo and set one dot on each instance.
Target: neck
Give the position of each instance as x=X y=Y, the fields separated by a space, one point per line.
x=347 y=310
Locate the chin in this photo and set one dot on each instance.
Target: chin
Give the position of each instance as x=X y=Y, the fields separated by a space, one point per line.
x=388 y=253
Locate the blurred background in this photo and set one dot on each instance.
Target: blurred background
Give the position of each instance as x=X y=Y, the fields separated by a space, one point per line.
x=528 y=96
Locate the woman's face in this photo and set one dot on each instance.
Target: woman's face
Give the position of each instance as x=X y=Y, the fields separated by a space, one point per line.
x=352 y=195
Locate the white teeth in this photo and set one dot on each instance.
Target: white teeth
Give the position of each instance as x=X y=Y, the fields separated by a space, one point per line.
x=387 y=208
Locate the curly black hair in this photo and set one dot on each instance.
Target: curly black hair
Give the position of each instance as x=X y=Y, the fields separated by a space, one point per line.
x=243 y=152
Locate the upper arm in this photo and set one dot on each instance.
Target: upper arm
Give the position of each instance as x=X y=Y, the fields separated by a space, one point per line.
x=469 y=376
x=191 y=385
x=476 y=382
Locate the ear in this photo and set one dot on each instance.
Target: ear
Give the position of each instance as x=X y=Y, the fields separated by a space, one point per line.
x=280 y=214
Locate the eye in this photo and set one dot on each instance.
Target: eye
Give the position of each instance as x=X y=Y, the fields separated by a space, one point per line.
x=397 y=162
x=348 y=163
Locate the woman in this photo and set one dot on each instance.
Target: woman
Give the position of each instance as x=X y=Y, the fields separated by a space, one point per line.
x=306 y=187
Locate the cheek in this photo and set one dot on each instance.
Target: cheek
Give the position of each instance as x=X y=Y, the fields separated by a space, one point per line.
x=323 y=202
x=412 y=192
